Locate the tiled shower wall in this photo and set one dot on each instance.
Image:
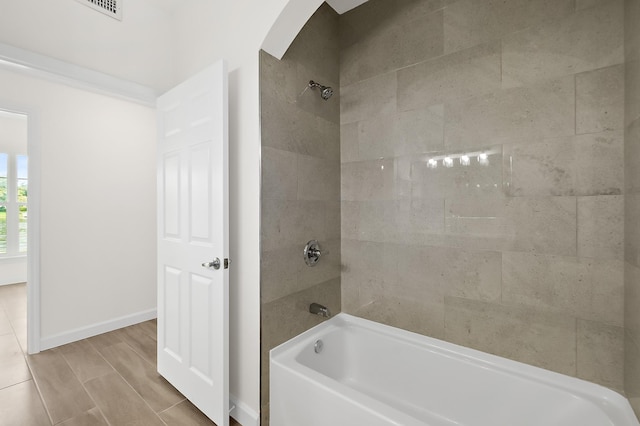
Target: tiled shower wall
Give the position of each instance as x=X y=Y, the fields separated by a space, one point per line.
x=519 y=253
x=300 y=185
x=632 y=202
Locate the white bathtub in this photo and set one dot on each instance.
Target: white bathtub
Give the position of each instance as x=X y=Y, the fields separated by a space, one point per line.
x=369 y=374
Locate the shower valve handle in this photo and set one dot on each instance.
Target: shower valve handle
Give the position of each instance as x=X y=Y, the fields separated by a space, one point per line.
x=312 y=253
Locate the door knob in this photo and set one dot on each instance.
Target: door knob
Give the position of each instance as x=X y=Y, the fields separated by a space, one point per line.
x=215 y=264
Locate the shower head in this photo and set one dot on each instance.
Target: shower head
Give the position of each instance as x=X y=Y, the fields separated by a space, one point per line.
x=325 y=91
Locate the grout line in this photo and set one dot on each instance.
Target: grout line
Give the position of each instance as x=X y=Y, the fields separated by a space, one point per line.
x=115 y=370
x=141 y=355
x=17 y=383
x=576 y=371
x=26 y=360
x=35 y=383
x=575 y=104
x=86 y=391
x=174 y=405
x=157 y=414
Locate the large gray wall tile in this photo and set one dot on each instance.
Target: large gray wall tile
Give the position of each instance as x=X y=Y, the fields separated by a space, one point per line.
x=632 y=335
x=328 y=268
x=349 y=142
x=318 y=179
x=583 y=41
x=631 y=35
x=419 y=316
x=632 y=91
x=368 y=180
x=363 y=22
x=584 y=288
x=278 y=78
x=473 y=180
x=601 y=227
x=600 y=100
x=565 y=166
x=278 y=169
x=585 y=4
x=420 y=130
x=543 y=110
x=600 y=355
x=317 y=46
x=520 y=333
x=289 y=128
x=367 y=268
x=398 y=41
x=632 y=157
x=471 y=22
x=631 y=302
x=471 y=72
x=311 y=101
x=289 y=316
x=279 y=272
x=426 y=272
x=376 y=220
x=415 y=219
x=632 y=228
x=377 y=136
x=540 y=225
x=375 y=96
x=632 y=372
x=287 y=80
x=287 y=222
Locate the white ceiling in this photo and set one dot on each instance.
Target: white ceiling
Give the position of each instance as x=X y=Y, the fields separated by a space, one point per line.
x=168 y=5
x=340 y=6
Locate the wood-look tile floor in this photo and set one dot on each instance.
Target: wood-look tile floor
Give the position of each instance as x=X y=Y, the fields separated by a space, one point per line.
x=110 y=379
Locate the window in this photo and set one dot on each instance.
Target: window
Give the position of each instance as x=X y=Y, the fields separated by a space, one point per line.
x=14 y=188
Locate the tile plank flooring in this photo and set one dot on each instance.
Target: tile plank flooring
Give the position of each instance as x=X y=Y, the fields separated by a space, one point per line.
x=110 y=379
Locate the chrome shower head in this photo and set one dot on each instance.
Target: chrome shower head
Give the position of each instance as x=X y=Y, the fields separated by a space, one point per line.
x=325 y=91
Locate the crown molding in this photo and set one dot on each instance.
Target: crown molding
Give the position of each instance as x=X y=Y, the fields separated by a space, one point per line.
x=27 y=62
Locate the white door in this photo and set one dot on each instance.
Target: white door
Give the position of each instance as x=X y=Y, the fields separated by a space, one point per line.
x=193 y=243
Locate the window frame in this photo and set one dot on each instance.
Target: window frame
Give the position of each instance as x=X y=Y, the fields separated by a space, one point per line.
x=13 y=206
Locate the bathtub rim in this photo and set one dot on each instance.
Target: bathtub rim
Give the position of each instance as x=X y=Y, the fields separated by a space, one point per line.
x=615 y=405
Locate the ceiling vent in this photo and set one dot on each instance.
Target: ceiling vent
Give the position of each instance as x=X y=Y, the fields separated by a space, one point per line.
x=112 y=8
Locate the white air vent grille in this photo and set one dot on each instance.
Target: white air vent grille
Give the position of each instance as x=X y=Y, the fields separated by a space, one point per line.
x=112 y=8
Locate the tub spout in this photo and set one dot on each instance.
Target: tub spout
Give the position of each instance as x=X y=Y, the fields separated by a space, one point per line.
x=318 y=309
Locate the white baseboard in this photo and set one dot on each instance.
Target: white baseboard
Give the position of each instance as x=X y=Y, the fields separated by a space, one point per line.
x=95 y=329
x=243 y=413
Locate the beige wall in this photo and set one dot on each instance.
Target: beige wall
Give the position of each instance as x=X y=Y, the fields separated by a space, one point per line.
x=632 y=203
x=300 y=185
x=523 y=256
x=97 y=204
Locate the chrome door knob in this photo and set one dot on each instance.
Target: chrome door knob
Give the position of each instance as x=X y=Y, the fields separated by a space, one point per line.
x=215 y=264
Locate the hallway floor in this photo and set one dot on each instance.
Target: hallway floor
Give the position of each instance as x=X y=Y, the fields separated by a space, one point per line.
x=110 y=379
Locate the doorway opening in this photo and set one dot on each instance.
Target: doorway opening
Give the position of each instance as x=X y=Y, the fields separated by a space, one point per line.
x=14 y=190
